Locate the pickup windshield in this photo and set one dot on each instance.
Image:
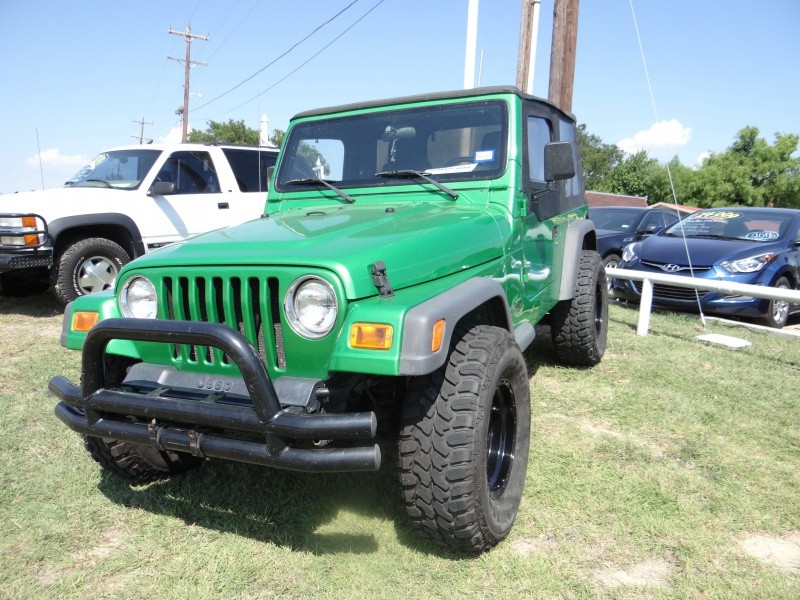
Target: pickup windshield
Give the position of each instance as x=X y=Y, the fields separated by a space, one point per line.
x=122 y=169
x=446 y=143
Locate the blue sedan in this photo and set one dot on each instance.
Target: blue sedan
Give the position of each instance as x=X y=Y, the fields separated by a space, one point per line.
x=759 y=246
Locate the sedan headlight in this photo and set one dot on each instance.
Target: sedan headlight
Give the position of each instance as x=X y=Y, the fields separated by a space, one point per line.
x=629 y=253
x=310 y=306
x=752 y=264
x=138 y=298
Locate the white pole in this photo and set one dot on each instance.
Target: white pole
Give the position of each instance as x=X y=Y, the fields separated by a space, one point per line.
x=472 y=37
x=533 y=40
x=645 y=305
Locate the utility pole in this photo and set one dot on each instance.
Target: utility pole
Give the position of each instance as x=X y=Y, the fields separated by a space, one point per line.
x=188 y=63
x=562 y=54
x=528 y=36
x=140 y=137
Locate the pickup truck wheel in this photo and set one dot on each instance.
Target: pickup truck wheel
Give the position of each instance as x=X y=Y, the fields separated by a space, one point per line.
x=463 y=448
x=579 y=327
x=138 y=464
x=89 y=265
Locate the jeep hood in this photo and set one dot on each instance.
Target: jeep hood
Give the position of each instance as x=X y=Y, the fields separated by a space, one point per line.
x=417 y=242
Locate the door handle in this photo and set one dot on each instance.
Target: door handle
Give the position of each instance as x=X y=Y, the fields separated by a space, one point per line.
x=222 y=205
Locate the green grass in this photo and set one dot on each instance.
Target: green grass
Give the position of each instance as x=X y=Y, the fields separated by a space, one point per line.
x=648 y=474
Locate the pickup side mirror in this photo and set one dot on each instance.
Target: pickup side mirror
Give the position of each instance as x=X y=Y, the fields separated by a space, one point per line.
x=270 y=171
x=161 y=188
x=559 y=161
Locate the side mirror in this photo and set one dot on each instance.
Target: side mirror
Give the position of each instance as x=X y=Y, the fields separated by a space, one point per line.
x=161 y=188
x=270 y=171
x=559 y=161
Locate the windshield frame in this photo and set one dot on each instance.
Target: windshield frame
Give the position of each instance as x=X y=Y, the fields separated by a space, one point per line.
x=364 y=137
x=88 y=175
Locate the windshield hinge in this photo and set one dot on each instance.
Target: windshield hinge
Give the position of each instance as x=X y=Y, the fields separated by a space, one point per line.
x=380 y=280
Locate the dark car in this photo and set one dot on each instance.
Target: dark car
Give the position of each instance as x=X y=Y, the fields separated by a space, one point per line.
x=618 y=226
x=758 y=246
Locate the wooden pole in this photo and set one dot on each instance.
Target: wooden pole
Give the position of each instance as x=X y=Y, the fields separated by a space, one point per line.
x=562 y=56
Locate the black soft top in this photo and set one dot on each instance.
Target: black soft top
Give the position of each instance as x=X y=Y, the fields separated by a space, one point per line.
x=470 y=93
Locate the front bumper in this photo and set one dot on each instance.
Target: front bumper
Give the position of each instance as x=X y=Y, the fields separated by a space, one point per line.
x=26 y=259
x=666 y=296
x=214 y=424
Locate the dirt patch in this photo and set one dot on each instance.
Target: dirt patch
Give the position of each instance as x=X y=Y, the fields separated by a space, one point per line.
x=110 y=542
x=533 y=545
x=783 y=553
x=651 y=573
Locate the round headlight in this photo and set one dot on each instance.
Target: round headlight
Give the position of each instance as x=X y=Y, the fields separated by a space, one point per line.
x=310 y=306
x=137 y=298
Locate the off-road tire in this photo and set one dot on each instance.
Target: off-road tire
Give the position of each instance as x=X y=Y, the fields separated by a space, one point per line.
x=778 y=311
x=138 y=464
x=72 y=277
x=579 y=327
x=463 y=447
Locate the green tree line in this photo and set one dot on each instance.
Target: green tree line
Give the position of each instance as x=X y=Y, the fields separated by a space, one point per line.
x=751 y=172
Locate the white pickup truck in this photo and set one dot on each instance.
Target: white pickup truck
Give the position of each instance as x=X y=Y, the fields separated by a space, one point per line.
x=124 y=203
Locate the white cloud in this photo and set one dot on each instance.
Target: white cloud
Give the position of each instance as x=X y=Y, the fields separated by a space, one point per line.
x=173 y=136
x=659 y=141
x=53 y=159
x=702 y=158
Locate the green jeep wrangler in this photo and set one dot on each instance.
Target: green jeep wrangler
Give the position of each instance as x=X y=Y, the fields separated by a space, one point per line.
x=407 y=250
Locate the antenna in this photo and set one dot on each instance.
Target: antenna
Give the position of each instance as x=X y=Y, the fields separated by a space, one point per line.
x=39 y=150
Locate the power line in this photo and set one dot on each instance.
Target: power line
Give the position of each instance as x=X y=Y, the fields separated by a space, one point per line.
x=282 y=55
x=312 y=57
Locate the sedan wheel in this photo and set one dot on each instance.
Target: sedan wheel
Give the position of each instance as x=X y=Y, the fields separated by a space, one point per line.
x=778 y=312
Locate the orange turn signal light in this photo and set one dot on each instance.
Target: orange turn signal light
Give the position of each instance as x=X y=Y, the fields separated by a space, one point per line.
x=438 y=335
x=30 y=223
x=84 y=320
x=371 y=336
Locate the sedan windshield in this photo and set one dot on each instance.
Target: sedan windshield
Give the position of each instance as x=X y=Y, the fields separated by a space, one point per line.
x=452 y=142
x=121 y=169
x=751 y=226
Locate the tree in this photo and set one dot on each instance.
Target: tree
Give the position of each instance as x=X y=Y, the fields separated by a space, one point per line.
x=751 y=172
x=598 y=159
x=232 y=132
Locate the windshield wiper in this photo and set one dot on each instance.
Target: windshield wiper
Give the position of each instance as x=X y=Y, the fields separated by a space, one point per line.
x=325 y=182
x=103 y=181
x=410 y=174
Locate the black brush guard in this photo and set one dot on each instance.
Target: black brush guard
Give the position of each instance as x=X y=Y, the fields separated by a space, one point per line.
x=169 y=422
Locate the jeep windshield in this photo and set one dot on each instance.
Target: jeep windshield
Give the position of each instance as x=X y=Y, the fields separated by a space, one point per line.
x=121 y=169
x=421 y=146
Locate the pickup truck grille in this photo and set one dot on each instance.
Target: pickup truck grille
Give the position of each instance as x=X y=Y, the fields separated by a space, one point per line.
x=248 y=304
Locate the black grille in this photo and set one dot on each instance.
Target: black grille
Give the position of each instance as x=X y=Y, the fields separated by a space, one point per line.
x=671 y=292
x=246 y=304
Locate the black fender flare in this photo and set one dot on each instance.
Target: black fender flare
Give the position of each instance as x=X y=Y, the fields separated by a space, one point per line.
x=58 y=226
x=416 y=355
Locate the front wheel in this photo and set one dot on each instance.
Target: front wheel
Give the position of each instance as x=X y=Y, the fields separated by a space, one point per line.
x=89 y=265
x=579 y=327
x=464 y=442
x=778 y=312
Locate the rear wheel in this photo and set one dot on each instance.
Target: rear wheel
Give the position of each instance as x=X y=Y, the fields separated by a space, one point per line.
x=464 y=442
x=778 y=312
x=89 y=265
x=579 y=327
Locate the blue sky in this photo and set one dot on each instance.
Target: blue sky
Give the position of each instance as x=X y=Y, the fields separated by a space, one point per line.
x=78 y=74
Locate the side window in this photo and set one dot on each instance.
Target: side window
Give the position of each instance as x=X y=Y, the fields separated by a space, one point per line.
x=539 y=136
x=250 y=168
x=191 y=172
x=573 y=187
